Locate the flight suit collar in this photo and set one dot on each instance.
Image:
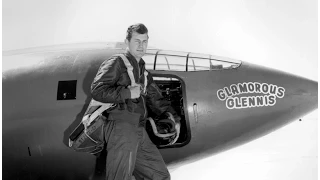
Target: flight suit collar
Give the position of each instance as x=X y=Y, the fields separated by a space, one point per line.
x=139 y=76
x=132 y=58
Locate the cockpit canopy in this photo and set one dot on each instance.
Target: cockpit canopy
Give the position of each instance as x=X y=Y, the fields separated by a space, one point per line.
x=184 y=61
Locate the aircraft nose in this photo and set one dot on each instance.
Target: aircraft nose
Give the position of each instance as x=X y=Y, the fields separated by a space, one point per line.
x=304 y=92
x=300 y=94
x=307 y=88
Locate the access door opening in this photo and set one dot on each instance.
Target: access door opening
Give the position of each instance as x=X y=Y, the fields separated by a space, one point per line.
x=173 y=90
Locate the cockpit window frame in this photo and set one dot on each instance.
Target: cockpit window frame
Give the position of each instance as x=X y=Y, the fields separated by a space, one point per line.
x=235 y=63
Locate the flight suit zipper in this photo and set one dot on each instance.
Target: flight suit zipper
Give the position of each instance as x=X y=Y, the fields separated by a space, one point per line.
x=130 y=163
x=144 y=104
x=143 y=101
x=139 y=73
x=145 y=108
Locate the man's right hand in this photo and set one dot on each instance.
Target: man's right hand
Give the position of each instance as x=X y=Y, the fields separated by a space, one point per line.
x=135 y=91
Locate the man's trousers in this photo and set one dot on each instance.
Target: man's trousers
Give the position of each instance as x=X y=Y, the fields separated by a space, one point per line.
x=131 y=152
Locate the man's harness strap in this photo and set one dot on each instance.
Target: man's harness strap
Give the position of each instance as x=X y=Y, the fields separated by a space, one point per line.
x=130 y=73
x=104 y=106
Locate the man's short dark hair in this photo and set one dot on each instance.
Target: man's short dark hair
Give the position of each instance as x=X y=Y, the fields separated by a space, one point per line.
x=138 y=28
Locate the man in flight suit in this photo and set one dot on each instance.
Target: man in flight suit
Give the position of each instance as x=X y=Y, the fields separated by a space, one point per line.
x=129 y=149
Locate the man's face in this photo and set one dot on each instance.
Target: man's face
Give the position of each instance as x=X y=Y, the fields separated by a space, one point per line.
x=138 y=44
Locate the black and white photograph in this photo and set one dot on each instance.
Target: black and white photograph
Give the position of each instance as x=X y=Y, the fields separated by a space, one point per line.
x=159 y=90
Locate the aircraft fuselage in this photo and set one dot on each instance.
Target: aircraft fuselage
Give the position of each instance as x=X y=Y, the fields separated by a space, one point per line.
x=45 y=99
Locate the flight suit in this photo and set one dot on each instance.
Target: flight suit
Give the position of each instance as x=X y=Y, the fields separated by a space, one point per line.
x=129 y=149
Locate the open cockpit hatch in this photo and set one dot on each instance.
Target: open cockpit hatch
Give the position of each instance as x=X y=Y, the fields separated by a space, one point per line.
x=172 y=90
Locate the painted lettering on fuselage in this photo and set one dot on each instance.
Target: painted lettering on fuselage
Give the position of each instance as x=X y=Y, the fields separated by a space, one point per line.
x=268 y=94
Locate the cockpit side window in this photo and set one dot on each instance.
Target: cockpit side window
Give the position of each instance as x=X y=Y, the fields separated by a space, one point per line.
x=171 y=63
x=149 y=60
x=217 y=62
x=198 y=64
x=205 y=62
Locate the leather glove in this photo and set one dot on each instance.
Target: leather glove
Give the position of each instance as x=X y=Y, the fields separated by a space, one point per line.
x=135 y=91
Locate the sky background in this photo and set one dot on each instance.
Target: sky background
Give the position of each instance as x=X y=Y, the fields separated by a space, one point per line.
x=277 y=34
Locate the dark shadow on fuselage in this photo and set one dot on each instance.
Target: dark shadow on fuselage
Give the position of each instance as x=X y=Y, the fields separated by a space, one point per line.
x=86 y=88
x=99 y=172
